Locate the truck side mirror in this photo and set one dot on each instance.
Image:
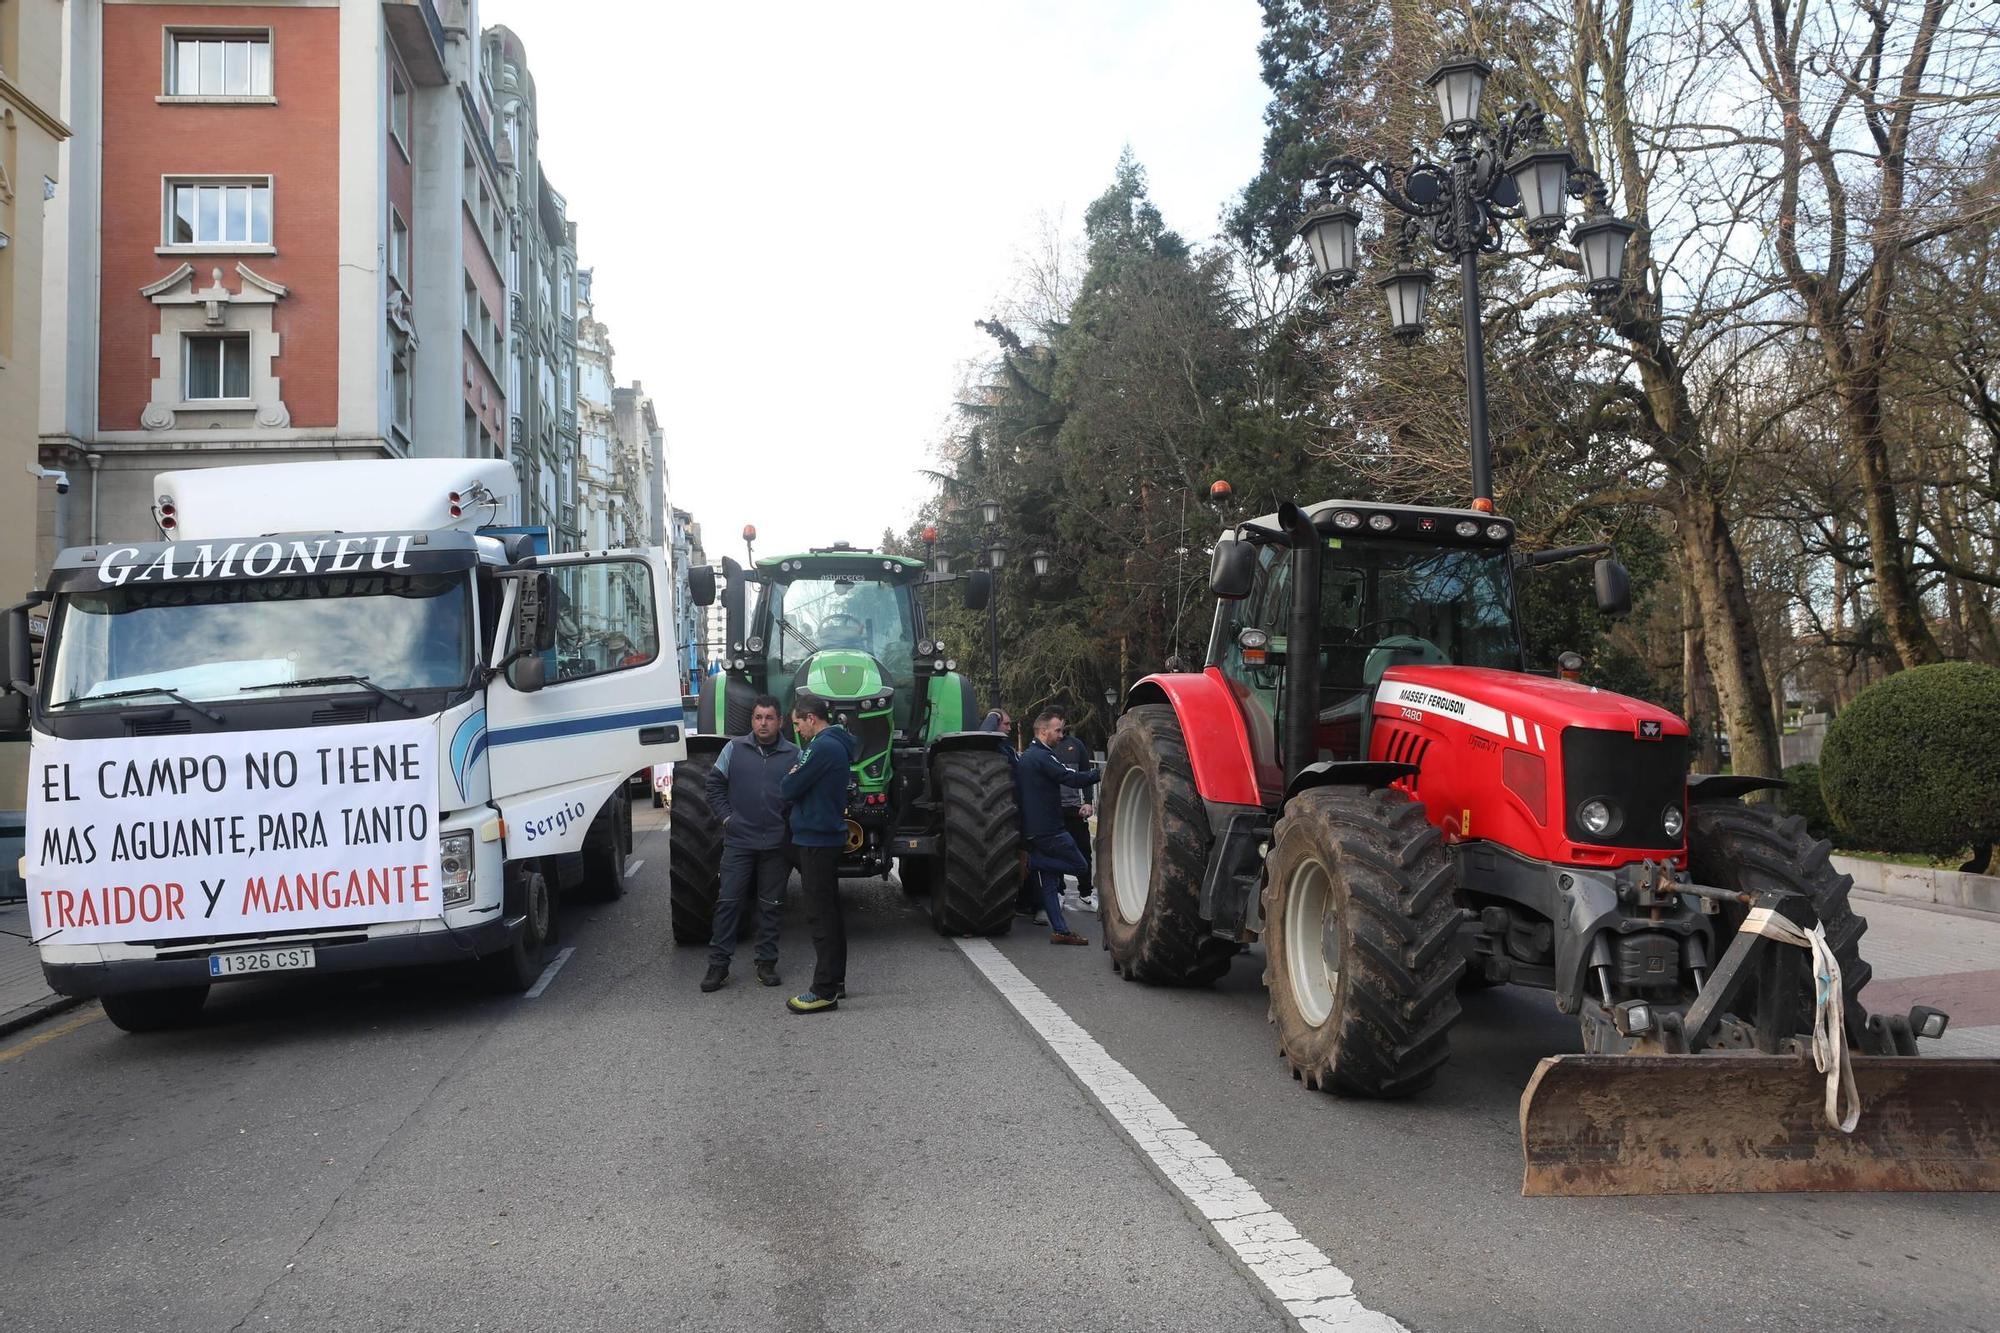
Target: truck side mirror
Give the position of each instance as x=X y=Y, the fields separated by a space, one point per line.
x=527 y=674
x=18 y=666
x=1614 y=588
x=701 y=584
x=978 y=589
x=1232 y=571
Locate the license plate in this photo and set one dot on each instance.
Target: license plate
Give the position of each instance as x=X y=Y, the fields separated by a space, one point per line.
x=261 y=960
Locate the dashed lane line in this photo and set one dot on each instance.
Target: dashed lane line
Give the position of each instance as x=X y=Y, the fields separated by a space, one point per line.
x=632 y=866
x=20 y=1049
x=1300 y=1278
x=548 y=974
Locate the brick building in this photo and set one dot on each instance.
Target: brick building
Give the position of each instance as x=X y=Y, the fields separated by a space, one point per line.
x=281 y=236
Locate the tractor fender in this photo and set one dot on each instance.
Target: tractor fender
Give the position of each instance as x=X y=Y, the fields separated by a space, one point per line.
x=1217 y=743
x=1728 y=786
x=969 y=740
x=705 y=742
x=1347 y=773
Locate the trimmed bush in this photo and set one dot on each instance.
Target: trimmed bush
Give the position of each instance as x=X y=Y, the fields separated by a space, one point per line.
x=1802 y=797
x=1912 y=765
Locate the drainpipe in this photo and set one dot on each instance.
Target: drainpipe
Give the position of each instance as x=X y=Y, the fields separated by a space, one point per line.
x=95 y=461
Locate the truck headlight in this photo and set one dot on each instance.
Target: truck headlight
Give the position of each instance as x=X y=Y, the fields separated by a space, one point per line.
x=1671 y=821
x=1597 y=817
x=455 y=868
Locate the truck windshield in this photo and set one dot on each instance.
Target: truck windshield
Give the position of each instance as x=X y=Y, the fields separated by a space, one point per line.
x=237 y=639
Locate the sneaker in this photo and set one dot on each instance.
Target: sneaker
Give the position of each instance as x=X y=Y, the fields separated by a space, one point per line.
x=1072 y=903
x=767 y=972
x=717 y=974
x=1066 y=937
x=809 y=1003
x=1089 y=901
x=1041 y=918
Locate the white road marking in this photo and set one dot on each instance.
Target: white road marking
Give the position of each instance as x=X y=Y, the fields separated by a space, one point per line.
x=1316 y=1293
x=549 y=974
x=632 y=866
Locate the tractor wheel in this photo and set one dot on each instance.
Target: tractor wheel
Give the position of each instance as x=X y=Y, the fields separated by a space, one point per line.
x=1152 y=847
x=972 y=890
x=1360 y=942
x=694 y=853
x=1748 y=848
x=605 y=852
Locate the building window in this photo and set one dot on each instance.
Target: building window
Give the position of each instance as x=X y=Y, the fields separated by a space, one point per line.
x=399 y=251
x=399 y=394
x=399 y=110
x=218 y=213
x=207 y=64
x=218 y=366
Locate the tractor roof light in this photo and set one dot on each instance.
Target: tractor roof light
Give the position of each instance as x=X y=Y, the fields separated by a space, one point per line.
x=1466 y=528
x=1380 y=522
x=1347 y=520
x=1496 y=532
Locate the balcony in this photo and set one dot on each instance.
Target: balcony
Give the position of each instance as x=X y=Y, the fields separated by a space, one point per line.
x=418 y=33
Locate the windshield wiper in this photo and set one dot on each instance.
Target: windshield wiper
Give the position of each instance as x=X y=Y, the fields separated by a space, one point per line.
x=311 y=681
x=134 y=693
x=785 y=624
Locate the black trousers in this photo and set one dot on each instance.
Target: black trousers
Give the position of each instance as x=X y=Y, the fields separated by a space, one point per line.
x=820 y=886
x=1078 y=829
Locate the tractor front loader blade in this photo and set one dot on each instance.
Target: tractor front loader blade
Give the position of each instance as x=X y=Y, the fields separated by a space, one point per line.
x=1725 y=1123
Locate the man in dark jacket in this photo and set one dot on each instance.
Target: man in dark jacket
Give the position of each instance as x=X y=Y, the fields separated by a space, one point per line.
x=743 y=792
x=1040 y=778
x=817 y=790
x=1076 y=810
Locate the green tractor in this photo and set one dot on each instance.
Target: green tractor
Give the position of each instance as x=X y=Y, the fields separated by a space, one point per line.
x=930 y=793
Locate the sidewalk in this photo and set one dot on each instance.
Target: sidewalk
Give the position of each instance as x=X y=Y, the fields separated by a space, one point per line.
x=24 y=997
x=1947 y=959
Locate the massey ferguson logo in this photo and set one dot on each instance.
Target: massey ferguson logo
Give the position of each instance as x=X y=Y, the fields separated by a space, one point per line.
x=1651 y=729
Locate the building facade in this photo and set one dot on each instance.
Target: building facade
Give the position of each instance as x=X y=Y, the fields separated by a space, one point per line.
x=281 y=238
x=32 y=130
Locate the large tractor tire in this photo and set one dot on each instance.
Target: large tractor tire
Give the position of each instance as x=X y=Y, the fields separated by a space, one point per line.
x=1152 y=847
x=606 y=849
x=723 y=706
x=694 y=851
x=1751 y=848
x=972 y=892
x=1360 y=942
x=917 y=875
x=155 y=1010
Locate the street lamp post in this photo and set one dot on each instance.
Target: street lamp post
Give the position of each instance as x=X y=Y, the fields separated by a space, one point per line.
x=996 y=556
x=1493 y=173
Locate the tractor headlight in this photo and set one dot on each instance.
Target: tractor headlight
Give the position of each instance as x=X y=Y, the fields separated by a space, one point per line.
x=455 y=868
x=1347 y=520
x=1497 y=531
x=1380 y=522
x=754 y=645
x=1466 y=528
x=1672 y=821
x=938 y=665
x=1597 y=817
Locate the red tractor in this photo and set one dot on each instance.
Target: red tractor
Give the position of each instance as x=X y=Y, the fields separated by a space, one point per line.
x=1369 y=781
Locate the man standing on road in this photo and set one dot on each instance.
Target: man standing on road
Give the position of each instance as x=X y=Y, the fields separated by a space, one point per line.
x=1041 y=778
x=1075 y=810
x=816 y=787
x=743 y=792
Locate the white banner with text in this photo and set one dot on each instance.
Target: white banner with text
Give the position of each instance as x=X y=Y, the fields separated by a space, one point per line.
x=260 y=832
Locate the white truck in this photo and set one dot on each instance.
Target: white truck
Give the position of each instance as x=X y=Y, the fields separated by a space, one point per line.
x=339 y=716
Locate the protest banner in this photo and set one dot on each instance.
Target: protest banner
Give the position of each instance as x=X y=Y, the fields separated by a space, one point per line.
x=232 y=833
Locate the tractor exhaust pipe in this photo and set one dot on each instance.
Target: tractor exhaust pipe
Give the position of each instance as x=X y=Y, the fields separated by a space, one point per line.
x=1300 y=737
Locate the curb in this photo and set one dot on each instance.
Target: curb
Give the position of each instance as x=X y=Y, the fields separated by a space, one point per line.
x=28 y=1015
x=1920 y=886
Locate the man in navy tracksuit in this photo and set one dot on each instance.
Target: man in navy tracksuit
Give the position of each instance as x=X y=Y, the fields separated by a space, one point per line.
x=816 y=788
x=1039 y=778
x=743 y=792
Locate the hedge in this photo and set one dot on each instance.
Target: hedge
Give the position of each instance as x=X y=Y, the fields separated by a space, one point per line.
x=1913 y=764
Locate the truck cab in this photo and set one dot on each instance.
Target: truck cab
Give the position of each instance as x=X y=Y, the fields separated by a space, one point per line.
x=335 y=716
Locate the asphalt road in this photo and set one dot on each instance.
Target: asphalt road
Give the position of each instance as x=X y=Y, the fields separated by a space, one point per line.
x=624 y=1152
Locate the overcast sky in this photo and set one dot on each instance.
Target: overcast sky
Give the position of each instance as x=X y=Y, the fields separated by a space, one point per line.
x=795 y=209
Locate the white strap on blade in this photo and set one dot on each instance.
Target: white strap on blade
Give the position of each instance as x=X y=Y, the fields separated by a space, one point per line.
x=1829 y=1043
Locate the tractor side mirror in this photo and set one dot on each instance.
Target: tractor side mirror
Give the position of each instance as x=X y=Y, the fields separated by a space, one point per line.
x=1614 y=588
x=536 y=618
x=17 y=664
x=978 y=589
x=1232 y=571
x=701 y=584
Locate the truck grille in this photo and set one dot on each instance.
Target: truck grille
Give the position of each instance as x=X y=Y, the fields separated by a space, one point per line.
x=1639 y=778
